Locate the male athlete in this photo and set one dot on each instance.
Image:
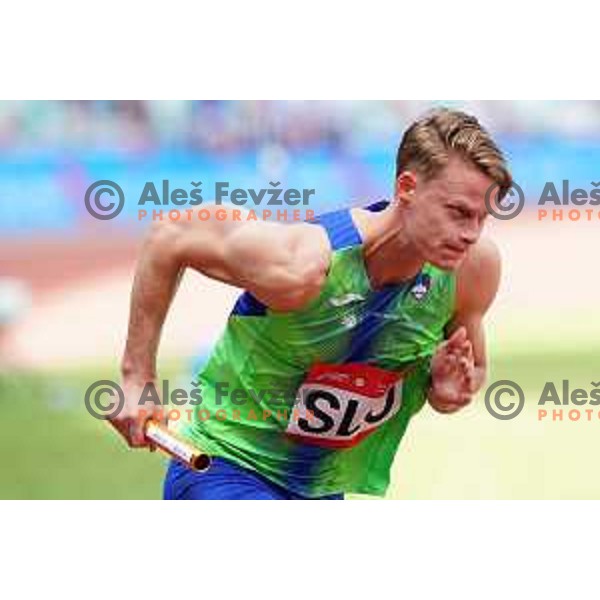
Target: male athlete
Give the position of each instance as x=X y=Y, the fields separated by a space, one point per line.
x=345 y=327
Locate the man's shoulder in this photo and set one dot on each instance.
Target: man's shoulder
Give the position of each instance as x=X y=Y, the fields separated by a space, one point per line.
x=483 y=257
x=478 y=277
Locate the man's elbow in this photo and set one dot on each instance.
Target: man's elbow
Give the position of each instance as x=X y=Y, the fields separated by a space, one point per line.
x=164 y=243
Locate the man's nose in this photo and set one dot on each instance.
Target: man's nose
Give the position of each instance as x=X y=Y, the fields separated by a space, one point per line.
x=470 y=235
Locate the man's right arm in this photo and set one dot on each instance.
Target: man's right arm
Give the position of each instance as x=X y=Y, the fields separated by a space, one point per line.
x=283 y=266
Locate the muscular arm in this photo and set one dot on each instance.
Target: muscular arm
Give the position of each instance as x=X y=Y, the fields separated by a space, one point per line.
x=464 y=353
x=282 y=265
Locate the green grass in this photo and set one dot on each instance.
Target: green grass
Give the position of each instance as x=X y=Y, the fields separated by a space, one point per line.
x=51 y=448
x=472 y=455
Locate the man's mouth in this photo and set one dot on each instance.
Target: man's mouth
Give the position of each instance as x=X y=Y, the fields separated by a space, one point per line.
x=456 y=249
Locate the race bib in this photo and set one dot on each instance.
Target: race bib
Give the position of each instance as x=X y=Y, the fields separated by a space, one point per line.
x=339 y=405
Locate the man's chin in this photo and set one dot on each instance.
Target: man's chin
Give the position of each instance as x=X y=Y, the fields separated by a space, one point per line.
x=447 y=263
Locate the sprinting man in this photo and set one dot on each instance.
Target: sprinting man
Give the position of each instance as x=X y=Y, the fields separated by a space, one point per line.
x=345 y=327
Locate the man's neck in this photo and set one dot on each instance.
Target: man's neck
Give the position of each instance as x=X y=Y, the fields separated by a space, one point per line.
x=388 y=257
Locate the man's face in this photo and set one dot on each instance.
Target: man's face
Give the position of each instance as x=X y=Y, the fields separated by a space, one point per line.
x=445 y=215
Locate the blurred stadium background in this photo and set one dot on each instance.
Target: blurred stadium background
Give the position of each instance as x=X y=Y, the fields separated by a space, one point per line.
x=65 y=280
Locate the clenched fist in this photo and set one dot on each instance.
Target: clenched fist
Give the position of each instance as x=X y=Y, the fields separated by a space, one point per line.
x=131 y=421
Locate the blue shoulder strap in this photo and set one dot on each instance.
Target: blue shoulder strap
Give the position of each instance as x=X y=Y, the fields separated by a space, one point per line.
x=340 y=228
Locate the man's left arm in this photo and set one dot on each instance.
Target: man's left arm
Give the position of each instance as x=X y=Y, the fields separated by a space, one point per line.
x=459 y=367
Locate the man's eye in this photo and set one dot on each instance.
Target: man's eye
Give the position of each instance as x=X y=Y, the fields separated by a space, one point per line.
x=460 y=212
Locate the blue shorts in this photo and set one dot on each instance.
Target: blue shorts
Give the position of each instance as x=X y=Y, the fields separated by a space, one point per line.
x=225 y=481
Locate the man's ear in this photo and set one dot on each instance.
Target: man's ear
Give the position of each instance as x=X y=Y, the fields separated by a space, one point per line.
x=405 y=187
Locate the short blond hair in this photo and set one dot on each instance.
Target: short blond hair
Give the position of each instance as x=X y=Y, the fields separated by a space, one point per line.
x=428 y=143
